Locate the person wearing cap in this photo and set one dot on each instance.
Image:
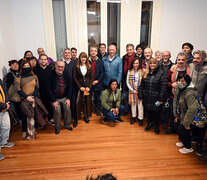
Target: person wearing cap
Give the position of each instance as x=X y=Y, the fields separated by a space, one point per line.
x=188 y=49
x=185 y=108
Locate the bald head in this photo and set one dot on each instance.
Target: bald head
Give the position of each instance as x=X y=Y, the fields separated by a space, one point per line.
x=148 y=53
x=166 y=55
x=112 y=50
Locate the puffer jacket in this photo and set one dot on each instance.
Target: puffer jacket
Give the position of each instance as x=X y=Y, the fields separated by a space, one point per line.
x=153 y=88
x=112 y=69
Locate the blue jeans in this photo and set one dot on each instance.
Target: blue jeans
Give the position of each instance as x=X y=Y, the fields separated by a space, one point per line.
x=109 y=114
x=4 y=127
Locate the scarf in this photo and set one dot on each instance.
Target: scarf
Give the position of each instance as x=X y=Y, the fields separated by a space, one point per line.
x=2 y=95
x=128 y=60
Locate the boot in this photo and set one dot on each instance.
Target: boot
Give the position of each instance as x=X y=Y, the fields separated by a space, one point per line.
x=157 y=131
x=149 y=126
x=75 y=123
x=133 y=120
x=86 y=119
x=140 y=122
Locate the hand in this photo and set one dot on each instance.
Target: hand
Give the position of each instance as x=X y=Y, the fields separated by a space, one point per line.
x=113 y=110
x=140 y=101
x=95 y=82
x=30 y=98
x=7 y=107
x=187 y=128
x=82 y=89
x=174 y=85
x=176 y=119
x=87 y=89
x=55 y=104
x=67 y=102
x=135 y=92
x=160 y=102
x=117 y=111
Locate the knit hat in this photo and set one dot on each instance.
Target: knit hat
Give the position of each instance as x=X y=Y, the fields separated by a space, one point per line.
x=187 y=79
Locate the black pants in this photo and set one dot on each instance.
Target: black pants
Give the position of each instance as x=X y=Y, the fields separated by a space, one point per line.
x=73 y=103
x=199 y=133
x=97 y=100
x=47 y=103
x=154 y=116
x=184 y=136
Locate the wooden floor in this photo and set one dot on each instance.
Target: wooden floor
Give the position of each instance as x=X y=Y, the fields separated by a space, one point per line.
x=125 y=150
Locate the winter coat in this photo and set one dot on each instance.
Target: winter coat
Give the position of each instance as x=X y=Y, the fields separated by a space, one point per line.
x=153 y=88
x=4 y=105
x=112 y=69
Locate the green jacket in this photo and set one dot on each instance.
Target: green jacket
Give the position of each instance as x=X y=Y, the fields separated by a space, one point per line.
x=107 y=100
x=188 y=105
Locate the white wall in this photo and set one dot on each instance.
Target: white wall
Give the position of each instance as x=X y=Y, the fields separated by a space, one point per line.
x=21 y=29
x=183 y=21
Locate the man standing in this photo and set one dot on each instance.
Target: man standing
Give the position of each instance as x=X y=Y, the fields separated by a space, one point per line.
x=188 y=49
x=41 y=51
x=74 y=54
x=43 y=72
x=68 y=72
x=59 y=91
x=102 y=50
x=112 y=66
x=4 y=119
x=97 y=67
x=148 y=55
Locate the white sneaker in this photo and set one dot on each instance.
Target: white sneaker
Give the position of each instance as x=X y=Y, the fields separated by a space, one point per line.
x=179 y=144
x=185 y=150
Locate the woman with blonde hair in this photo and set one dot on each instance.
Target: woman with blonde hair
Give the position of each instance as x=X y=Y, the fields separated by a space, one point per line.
x=83 y=77
x=133 y=80
x=152 y=92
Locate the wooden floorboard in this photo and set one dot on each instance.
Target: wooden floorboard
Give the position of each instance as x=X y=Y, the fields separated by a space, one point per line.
x=125 y=150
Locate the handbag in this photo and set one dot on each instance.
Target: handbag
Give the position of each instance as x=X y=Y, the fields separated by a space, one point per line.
x=200 y=120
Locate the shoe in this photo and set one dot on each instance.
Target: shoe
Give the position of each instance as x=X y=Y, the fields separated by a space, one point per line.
x=69 y=128
x=124 y=114
x=1 y=156
x=203 y=157
x=24 y=135
x=105 y=120
x=157 y=131
x=119 y=120
x=199 y=149
x=57 y=131
x=149 y=126
x=185 y=150
x=52 y=122
x=133 y=120
x=9 y=144
x=86 y=119
x=98 y=114
x=194 y=139
x=141 y=122
x=179 y=144
x=32 y=137
x=75 y=123
x=170 y=131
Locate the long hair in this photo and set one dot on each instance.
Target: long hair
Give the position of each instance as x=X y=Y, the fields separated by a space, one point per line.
x=83 y=55
x=148 y=68
x=109 y=86
x=21 y=67
x=133 y=60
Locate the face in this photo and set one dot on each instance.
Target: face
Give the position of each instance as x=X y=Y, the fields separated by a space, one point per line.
x=148 y=53
x=102 y=49
x=112 y=50
x=197 y=60
x=113 y=86
x=130 y=50
x=15 y=66
x=182 y=80
x=27 y=65
x=158 y=56
x=139 y=51
x=59 y=67
x=83 y=60
x=43 y=61
x=186 y=49
x=166 y=56
x=33 y=62
x=40 y=51
x=152 y=65
x=136 y=64
x=73 y=54
x=66 y=54
x=93 y=52
x=181 y=61
x=28 y=55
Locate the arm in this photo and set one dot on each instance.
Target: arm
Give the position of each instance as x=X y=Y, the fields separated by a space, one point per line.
x=75 y=77
x=175 y=103
x=163 y=88
x=119 y=77
x=140 y=93
x=104 y=99
x=127 y=82
x=118 y=102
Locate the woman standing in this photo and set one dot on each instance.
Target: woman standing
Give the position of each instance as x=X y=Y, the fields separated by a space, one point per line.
x=83 y=77
x=134 y=77
x=27 y=87
x=153 y=91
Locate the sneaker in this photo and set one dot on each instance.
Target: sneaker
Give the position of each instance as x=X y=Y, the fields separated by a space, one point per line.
x=105 y=120
x=52 y=122
x=9 y=144
x=1 y=156
x=98 y=114
x=199 y=149
x=179 y=144
x=119 y=120
x=185 y=150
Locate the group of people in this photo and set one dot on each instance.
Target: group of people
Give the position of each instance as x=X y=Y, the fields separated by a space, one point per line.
x=138 y=83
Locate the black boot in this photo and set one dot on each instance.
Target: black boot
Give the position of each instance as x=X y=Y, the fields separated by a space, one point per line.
x=133 y=120
x=140 y=122
x=149 y=126
x=75 y=123
x=157 y=130
x=86 y=119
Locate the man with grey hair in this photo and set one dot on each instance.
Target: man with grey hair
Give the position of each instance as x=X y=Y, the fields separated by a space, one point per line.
x=41 y=51
x=148 y=55
x=59 y=91
x=158 y=55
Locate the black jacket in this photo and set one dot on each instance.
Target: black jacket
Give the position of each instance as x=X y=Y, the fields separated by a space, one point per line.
x=3 y=105
x=166 y=68
x=153 y=88
x=51 y=85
